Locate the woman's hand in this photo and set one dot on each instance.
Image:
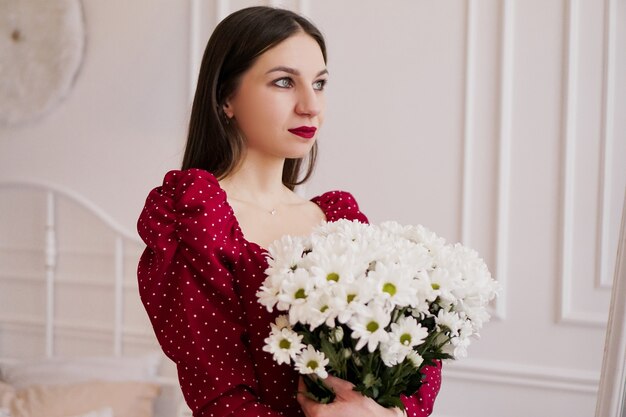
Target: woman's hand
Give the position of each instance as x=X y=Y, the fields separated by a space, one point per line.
x=347 y=402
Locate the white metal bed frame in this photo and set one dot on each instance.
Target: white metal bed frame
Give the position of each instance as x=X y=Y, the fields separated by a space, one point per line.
x=121 y=238
x=52 y=192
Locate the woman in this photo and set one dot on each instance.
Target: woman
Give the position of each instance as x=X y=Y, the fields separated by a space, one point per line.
x=256 y=112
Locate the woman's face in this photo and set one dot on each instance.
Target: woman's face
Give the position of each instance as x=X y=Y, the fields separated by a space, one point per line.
x=282 y=91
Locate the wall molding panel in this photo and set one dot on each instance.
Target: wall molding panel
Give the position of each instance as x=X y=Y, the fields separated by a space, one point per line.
x=493 y=372
x=468 y=121
x=605 y=250
x=504 y=152
x=568 y=313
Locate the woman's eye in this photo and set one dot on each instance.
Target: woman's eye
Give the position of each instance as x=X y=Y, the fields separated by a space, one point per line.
x=319 y=85
x=283 y=83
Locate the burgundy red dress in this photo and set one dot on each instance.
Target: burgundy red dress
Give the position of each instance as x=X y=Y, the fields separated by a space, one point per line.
x=198 y=279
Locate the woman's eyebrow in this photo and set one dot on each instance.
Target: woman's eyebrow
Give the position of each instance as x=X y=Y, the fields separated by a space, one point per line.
x=293 y=70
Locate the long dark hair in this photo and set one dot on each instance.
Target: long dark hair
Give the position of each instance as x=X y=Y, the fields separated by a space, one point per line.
x=237 y=41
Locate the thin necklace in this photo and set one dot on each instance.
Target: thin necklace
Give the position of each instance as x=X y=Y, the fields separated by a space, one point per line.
x=272 y=211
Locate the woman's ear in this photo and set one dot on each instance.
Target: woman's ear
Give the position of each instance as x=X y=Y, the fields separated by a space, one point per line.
x=228 y=109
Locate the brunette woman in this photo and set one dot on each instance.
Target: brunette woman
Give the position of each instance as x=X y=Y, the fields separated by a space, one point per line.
x=256 y=115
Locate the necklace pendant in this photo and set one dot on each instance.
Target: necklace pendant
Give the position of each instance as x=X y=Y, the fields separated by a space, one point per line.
x=273 y=212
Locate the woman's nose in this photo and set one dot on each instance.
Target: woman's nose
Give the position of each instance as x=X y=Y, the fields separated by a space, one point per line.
x=308 y=102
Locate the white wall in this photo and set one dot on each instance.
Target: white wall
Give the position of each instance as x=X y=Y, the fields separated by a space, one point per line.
x=497 y=123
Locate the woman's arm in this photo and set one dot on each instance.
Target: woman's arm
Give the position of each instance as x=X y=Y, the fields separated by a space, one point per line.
x=187 y=290
x=422 y=402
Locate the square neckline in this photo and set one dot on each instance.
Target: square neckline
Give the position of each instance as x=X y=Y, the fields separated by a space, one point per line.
x=314 y=200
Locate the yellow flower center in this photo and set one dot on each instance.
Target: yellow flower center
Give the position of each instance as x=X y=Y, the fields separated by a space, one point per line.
x=333 y=276
x=372 y=326
x=300 y=294
x=312 y=364
x=389 y=288
x=284 y=344
x=405 y=339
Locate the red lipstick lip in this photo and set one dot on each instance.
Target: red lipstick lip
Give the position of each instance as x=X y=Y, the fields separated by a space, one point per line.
x=304 y=131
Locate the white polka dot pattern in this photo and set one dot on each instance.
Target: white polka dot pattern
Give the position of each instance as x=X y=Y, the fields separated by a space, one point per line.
x=198 y=279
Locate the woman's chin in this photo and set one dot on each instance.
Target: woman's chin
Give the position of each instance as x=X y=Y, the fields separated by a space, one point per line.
x=301 y=152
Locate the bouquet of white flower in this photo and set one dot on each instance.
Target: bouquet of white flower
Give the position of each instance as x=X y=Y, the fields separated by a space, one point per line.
x=372 y=305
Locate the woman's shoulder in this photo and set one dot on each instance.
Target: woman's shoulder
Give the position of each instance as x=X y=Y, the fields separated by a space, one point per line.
x=187 y=202
x=182 y=183
x=340 y=204
x=185 y=191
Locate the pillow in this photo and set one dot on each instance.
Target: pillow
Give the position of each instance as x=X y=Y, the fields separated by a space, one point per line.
x=60 y=370
x=103 y=412
x=124 y=398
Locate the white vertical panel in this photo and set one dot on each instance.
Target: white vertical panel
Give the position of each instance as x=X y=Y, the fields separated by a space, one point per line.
x=504 y=154
x=604 y=253
x=569 y=143
x=605 y=250
x=304 y=7
x=222 y=9
x=468 y=122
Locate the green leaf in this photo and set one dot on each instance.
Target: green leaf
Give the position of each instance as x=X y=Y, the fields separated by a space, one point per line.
x=391 y=401
x=371 y=381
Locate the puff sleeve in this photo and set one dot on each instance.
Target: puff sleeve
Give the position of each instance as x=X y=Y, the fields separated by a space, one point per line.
x=343 y=205
x=340 y=205
x=422 y=402
x=186 y=286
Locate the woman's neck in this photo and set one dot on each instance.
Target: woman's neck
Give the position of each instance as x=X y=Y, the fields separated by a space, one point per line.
x=258 y=184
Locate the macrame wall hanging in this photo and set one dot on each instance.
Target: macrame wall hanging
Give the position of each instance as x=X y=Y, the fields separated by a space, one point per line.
x=41 y=50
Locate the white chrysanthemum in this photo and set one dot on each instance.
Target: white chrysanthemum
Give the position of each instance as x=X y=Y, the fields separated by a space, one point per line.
x=328 y=268
x=444 y=283
x=394 y=228
x=404 y=335
x=336 y=334
x=318 y=309
x=348 y=299
x=283 y=344
x=425 y=293
x=369 y=325
x=424 y=236
x=408 y=332
x=415 y=359
x=350 y=230
x=280 y=323
x=268 y=296
x=311 y=361
x=448 y=320
x=284 y=254
x=296 y=287
x=293 y=296
x=460 y=344
x=394 y=283
x=393 y=353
